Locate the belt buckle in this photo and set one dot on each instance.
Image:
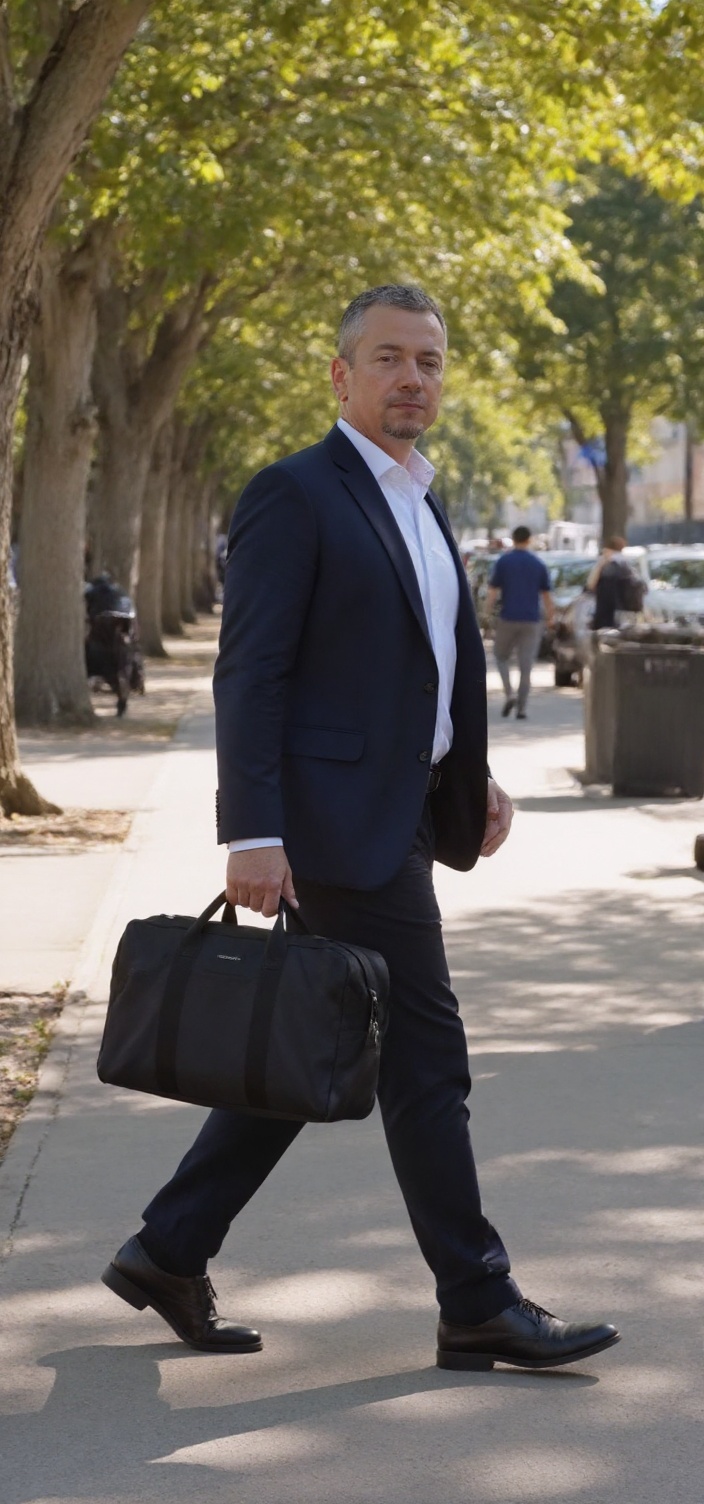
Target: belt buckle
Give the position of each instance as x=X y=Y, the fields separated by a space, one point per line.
x=434 y=777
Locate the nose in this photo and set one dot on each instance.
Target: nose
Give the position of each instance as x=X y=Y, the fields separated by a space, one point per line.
x=411 y=377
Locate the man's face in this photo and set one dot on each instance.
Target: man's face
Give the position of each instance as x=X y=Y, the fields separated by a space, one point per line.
x=391 y=391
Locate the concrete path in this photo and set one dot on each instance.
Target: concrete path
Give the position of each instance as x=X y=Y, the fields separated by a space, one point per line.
x=577 y=956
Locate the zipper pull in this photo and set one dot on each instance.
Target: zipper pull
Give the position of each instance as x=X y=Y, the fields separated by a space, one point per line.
x=374 y=1034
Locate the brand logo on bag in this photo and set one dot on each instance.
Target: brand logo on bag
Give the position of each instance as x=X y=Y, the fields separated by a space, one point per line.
x=228 y=958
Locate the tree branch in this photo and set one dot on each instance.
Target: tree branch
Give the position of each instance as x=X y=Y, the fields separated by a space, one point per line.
x=7 y=87
x=67 y=94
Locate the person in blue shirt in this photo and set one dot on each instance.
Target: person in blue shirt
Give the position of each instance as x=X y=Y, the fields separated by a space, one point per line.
x=522 y=581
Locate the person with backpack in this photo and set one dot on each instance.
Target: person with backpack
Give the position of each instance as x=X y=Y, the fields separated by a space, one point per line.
x=614 y=584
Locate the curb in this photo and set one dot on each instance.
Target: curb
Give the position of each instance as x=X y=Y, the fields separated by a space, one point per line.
x=27 y=1142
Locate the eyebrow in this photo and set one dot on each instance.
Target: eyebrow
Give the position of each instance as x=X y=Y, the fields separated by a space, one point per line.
x=433 y=350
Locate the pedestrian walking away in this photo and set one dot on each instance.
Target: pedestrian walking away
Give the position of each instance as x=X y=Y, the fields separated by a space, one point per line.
x=350 y=695
x=523 y=583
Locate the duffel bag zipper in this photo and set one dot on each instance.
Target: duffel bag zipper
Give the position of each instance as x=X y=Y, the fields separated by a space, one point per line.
x=374 y=1035
x=374 y=1031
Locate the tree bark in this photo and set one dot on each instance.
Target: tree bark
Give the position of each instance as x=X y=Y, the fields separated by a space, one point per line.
x=612 y=477
x=50 y=675
x=195 y=447
x=203 y=558
x=38 y=143
x=151 y=574
x=171 y=601
x=136 y=394
x=611 y=473
x=188 y=522
x=688 y=472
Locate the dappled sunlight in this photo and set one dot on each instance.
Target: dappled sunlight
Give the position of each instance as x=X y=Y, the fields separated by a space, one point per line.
x=256 y=1449
x=330 y=1294
x=657 y=1160
x=577 y=968
x=533 y=1471
x=656 y=1224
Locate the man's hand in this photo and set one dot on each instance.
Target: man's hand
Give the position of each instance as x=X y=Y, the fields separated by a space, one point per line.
x=499 y=814
x=258 y=879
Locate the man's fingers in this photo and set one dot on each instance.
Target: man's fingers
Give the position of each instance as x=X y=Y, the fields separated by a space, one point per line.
x=288 y=890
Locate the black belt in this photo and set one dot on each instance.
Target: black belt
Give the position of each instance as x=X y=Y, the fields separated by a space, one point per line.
x=434 y=777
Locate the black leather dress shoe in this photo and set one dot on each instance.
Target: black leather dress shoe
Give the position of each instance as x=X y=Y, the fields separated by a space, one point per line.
x=187 y=1304
x=524 y=1335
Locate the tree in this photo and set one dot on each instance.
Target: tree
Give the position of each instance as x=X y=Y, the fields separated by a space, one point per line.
x=613 y=348
x=40 y=136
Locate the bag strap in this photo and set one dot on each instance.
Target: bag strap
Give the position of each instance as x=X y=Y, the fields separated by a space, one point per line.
x=263 y=1007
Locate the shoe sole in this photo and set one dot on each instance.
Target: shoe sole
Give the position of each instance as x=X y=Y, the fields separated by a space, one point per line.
x=481 y=1362
x=134 y=1296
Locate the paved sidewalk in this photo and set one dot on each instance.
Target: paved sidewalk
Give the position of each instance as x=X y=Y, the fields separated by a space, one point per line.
x=577 y=957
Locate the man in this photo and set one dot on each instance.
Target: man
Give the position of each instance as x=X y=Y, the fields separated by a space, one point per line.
x=351 y=739
x=615 y=585
x=522 y=581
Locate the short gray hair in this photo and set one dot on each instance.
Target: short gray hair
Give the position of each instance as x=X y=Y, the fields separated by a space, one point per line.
x=391 y=295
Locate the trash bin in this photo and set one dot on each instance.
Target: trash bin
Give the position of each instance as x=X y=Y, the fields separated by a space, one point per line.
x=644 y=712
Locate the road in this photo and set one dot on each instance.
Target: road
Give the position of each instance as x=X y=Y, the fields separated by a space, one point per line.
x=577 y=958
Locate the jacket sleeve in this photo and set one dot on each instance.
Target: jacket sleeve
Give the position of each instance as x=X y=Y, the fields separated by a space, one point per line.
x=269 y=576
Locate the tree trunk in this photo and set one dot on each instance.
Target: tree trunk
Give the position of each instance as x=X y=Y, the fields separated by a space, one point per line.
x=136 y=394
x=151 y=573
x=125 y=449
x=171 y=601
x=38 y=143
x=612 y=476
x=50 y=674
x=688 y=472
x=123 y=466
x=203 y=558
x=188 y=524
x=17 y=794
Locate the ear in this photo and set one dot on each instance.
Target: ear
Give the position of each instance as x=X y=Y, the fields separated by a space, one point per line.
x=338 y=375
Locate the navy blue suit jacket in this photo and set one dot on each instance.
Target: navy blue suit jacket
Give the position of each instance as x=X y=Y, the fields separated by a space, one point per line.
x=326 y=681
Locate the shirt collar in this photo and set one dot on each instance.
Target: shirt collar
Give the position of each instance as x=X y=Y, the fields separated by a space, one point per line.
x=380 y=463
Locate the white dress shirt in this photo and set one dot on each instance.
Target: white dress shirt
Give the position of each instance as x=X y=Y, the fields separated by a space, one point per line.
x=404 y=488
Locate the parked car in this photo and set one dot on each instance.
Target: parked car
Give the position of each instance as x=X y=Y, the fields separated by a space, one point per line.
x=568 y=573
x=675 y=584
x=479 y=573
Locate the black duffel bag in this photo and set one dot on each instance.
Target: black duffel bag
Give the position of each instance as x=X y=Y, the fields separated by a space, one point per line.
x=275 y=1022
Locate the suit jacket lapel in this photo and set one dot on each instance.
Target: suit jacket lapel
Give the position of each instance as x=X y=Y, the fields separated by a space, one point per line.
x=359 y=481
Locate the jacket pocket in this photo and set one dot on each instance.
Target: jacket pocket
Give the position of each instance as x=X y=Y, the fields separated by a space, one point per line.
x=323 y=741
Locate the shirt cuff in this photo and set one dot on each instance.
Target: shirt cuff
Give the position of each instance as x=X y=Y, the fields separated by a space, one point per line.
x=255 y=845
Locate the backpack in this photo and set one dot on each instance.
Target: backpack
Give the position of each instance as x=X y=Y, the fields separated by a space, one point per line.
x=630 y=590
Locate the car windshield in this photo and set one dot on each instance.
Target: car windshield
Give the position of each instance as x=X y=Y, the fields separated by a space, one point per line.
x=574 y=572
x=677 y=574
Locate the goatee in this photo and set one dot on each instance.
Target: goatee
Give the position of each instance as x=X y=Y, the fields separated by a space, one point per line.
x=406 y=430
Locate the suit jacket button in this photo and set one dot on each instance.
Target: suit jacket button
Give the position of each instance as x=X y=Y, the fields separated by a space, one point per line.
x=430 y=688
x=424 y=756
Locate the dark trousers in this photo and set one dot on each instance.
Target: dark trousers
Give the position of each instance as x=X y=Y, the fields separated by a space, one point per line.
x=423 y=1085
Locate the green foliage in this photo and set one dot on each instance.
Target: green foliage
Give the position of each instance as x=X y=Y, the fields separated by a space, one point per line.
x=487 y=448
x=615 y=346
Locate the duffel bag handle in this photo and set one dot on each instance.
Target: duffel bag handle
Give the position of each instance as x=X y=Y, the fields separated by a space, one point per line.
x=292 y=917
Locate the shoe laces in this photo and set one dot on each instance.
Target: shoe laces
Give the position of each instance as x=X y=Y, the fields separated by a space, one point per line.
x=208 y=1291
x=529 y=1308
